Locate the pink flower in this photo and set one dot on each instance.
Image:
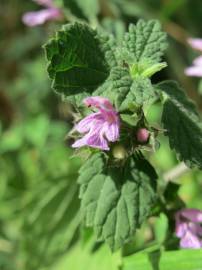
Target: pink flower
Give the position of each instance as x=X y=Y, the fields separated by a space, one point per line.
x=196 y=69
x=188 y=228
x=195 y=43
x=39 y=17
x=100 y=127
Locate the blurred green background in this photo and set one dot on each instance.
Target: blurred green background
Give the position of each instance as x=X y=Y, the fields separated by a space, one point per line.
x=39 y=207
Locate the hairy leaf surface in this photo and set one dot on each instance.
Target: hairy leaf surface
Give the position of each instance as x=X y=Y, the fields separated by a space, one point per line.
x=183 y=125
x=145 y=41
x=116 y=200
x=79 y=60
x=125 y=92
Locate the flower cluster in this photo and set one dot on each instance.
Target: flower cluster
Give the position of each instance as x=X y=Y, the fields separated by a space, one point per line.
x=196 y=69
x=188 y=228
x=40 y=17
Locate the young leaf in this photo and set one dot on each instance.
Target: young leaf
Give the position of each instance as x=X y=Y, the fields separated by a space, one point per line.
x=116 y=200
x=145 y=41
x=125 y=92
x=182 y=123
x=79 y=60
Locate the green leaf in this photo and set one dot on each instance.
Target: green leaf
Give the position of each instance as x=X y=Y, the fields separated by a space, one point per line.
x=116 y=200
x=115 y=26
x=182 y=123
x=151 y=70
x=79 y=60
x=124 y=92
x=83 y=62
x=169 y=260
x=141 y=93
x=145 y=41
x=145 y=69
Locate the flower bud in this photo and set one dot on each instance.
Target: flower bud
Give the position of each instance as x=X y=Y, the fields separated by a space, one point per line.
x=142 y=135
x=119 y=152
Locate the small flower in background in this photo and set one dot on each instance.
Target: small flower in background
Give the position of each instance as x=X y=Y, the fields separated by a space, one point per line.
x=196 y=69
x=100 y=127
x=188 y=228
x=195 y=43
x=40 y=17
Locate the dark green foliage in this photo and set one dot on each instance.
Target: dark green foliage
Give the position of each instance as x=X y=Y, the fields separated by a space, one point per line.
x=84 y=62
x=116 y=200
x=183 y=125
x=79 y=59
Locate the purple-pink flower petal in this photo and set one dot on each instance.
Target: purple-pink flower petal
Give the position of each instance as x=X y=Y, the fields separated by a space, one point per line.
x=188 y=228
x=98 y=128
x=88 y=122
x=93 y=139
x=39 y=17
x=192 y=214
x=100 y=103
x=195 y=228
x=195 y=43
x=198 y=61
x=190 y=240
x=112 y=132
x=181 y=227
x=96 y=139
x=194 y=71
